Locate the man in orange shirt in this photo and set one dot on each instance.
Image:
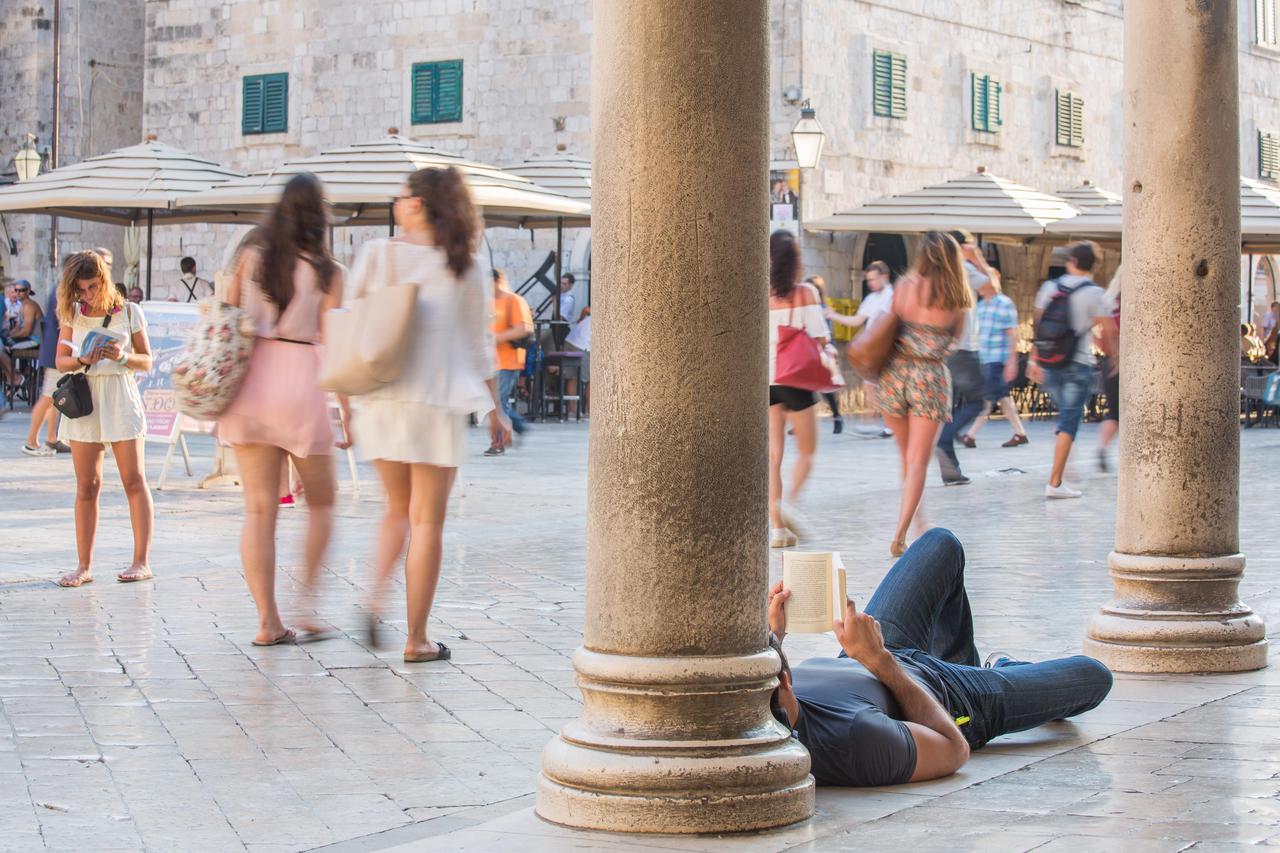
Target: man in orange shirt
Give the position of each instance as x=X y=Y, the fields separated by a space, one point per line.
x=512 y=325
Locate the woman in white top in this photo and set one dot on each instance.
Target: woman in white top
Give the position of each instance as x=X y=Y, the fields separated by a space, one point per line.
x=87 y=301
x=790 y=304
x=415 y=429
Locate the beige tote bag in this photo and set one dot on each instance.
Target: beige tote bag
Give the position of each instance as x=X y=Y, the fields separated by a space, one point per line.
x=366 y=343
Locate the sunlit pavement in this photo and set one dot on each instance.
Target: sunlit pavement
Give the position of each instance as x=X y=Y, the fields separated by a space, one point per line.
x=139 y=716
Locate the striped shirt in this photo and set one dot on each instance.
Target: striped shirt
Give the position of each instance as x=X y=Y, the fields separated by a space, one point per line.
x=996 y=316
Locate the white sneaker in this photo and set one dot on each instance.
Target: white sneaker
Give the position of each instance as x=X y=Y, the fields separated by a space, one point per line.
x=1061 y=492
x=794 y=522
x=781 y=537
x=41 y=450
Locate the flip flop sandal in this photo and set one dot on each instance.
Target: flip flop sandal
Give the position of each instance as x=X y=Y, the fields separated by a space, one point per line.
x=80 y=580
x=305 y=637
x=126 y=577
x=288 y=637
x=442 y=654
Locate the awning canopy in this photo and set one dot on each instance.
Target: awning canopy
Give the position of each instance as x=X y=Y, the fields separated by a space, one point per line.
x=983 y=203
x=1259 y=219
x=361 y=181
x=570 y=176
x=119 y=187
x=1087 y=195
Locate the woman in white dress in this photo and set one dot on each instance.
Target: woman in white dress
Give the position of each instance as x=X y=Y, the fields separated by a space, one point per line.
x=87 y=301
x=415 y=429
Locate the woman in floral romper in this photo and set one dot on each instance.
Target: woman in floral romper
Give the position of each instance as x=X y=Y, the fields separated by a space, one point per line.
x=915 y=387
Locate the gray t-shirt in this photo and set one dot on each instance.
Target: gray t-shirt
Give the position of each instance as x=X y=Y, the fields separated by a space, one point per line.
x=1088 y=303
x=969 y=338
x=851 y=725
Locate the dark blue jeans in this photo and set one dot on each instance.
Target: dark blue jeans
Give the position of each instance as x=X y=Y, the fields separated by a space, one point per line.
x=506 y=390
x=966 y=403
x=924 y=614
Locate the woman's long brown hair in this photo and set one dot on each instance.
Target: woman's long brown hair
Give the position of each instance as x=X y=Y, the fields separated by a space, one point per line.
x=295 y=228
x=446 y=201
x=784 y=263
x=83 y=266
x=941 y=264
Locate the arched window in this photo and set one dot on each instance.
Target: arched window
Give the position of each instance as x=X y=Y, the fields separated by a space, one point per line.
x=891 y=249
x=1263 y=291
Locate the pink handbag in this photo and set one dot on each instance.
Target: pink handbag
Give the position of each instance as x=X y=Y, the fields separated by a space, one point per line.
x=799 y=360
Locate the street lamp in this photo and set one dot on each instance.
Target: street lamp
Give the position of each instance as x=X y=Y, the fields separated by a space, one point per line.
x=27 y=160
x=808 y=138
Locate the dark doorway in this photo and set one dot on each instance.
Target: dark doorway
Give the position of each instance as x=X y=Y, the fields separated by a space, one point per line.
x=890 y=248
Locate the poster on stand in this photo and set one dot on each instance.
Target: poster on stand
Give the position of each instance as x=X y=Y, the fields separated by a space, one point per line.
x=784 y=200
x=168 y=326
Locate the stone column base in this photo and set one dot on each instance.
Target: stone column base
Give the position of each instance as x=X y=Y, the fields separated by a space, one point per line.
x=680 y=744
x=1177 y=614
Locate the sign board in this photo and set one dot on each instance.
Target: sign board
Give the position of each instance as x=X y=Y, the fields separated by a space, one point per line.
x=168 y=326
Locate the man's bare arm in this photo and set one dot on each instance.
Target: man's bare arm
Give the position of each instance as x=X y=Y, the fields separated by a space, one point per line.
x=940 y=747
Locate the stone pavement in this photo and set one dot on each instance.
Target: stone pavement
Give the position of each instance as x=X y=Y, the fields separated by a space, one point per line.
x=139 y=717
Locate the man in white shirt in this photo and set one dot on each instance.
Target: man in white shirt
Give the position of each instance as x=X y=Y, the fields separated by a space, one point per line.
x=876 y=303
x=194 y=288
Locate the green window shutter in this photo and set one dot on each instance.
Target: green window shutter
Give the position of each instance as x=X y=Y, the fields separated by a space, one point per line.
x=424 y=88
x=1265 y=20
x=251 y=109
x=1069 y=122
x=266 y=104
x=882 y=83
x=980 y=118
x=436 y=92
x=1268 y=155
x=994 y=117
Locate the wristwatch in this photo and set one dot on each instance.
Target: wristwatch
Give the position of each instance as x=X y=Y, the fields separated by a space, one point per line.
x=123 y=360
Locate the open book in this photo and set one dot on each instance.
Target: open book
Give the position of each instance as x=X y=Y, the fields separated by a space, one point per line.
x=817 y=584
x=95 y=339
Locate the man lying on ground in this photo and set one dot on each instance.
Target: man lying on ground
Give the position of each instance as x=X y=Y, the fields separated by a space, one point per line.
x=906 y=699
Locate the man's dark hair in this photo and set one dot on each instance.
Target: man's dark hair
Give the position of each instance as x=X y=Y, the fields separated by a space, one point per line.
x=878 y=266
x=188 y=264
x=775 y=705
x=569 y=278
x=963 y=237
x=1084 y=254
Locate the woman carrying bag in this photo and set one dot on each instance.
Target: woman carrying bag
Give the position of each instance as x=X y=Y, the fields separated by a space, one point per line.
x=107 y=408
x=414 y=426
x=792 y=306
x=285 y=280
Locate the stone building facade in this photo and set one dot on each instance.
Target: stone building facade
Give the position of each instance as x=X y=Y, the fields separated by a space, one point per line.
x=526 y=92
x=100 y=109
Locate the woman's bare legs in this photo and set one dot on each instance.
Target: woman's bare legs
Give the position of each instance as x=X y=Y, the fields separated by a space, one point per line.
x=805 y=424
x=260 y=474
x=131 y=462
x=922 y=434
x=777 y=447
x=316 y=474
x=43 y=413
x=398 y=485
x=86 y=458
x=427 y=506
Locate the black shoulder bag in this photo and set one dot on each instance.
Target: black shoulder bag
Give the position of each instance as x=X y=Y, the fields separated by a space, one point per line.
x=72 y=397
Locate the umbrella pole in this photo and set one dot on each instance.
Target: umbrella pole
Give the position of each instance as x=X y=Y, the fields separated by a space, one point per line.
x=150 y=225
x=1249 y=286
x=559 y=273
x=391 y=220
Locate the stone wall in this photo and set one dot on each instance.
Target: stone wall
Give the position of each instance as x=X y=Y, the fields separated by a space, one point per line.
x=101 y=109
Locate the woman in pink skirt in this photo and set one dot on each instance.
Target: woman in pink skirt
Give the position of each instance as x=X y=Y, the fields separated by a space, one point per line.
x=285 y=280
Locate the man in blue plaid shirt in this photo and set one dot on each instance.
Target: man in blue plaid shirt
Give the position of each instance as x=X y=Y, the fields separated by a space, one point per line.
x=998 y=352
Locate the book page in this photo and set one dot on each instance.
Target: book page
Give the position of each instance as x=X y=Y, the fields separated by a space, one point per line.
x=808 y=576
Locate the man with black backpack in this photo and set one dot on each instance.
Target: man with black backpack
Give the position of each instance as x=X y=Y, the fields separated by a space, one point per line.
x=1068 y=310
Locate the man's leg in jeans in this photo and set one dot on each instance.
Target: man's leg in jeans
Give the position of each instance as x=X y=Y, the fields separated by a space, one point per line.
x=961 y=416
x=1018 y=696
x=1069 y=388
x=506 y=387
x=922 y=603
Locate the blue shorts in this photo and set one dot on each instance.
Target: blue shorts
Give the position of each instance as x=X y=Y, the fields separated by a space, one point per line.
x=994 y=388
x=1070 y=388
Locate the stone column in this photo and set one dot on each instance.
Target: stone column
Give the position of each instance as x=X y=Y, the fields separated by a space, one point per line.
x=1177 y=562
x=675 y=671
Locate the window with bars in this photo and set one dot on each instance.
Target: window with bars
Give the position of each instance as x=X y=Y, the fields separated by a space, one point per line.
x=265 y=107
x=889 y=84
x=437 y=92
x=986 y=91
x=1269 y=155
x=1069 y=119
x=1265 y=19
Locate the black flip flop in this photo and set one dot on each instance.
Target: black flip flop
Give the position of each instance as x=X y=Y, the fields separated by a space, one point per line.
x=443 y=653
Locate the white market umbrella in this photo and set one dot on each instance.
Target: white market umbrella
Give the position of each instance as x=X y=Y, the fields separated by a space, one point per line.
x=1087 y=195
x=128 y=186
x=569 y=176
x=361 y=180
x=982 y=203
x=1259 y=219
